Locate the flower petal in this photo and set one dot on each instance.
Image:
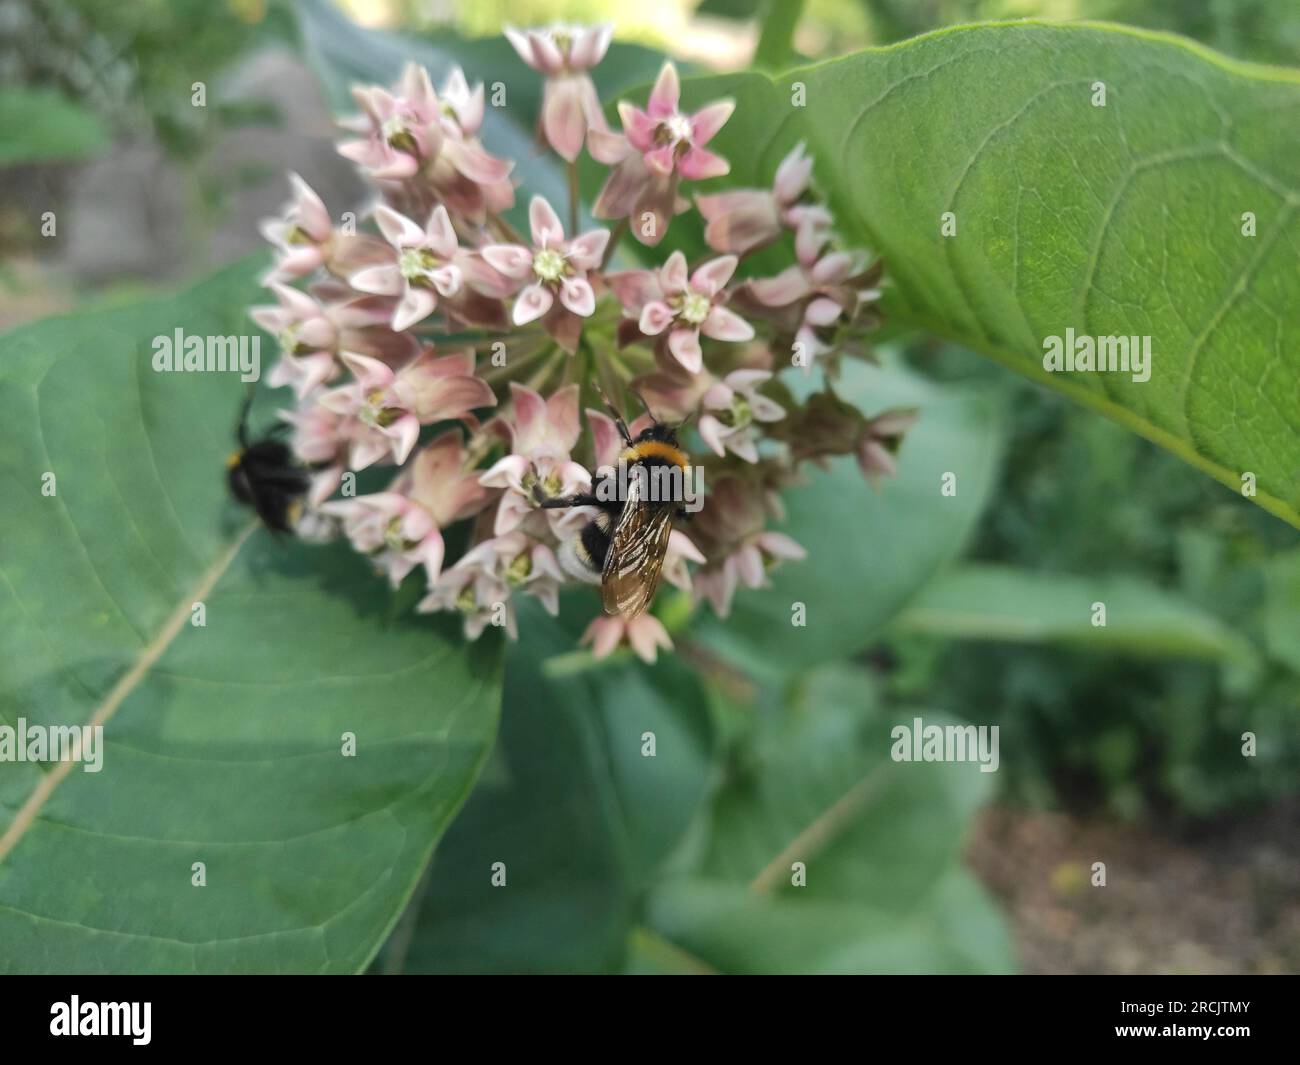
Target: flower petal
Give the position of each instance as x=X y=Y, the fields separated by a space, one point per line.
x=383 y=280
x=685 y=346
x=661 y=160
x=722 y=324
x=790 y=285
x=700 y=164
x=586 y=251
x=564 y=118
x=673 y=275
x=714 y=275
x=415 y=306
x=590 y=45
x=708 y=120
x=545 y=223
x=638 y=128
x=441 y=235
x=513 y=260
x=576 y=294
x=792 y=175
x=397 y=229
x=446 y=279
x=533 y=302
x=310 y=213
x=656 y=316
x=711 y=430
x=666 y=94
x=370 y=373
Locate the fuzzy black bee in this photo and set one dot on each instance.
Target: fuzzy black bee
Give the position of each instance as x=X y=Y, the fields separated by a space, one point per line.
x=623 y=546
x=263 y=475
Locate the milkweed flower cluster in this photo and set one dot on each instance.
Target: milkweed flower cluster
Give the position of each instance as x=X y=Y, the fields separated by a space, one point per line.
x=446 y=362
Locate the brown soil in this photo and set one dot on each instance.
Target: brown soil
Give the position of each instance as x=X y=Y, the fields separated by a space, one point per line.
x=1224 y=898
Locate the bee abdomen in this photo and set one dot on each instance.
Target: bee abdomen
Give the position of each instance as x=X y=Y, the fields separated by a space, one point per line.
x=583 y=556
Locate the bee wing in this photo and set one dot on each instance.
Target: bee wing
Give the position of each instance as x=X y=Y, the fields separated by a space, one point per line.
x=636 y=554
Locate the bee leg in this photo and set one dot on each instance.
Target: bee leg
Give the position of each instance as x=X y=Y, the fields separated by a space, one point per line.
x=245 y=407
x=684 y=514
x=582 y=499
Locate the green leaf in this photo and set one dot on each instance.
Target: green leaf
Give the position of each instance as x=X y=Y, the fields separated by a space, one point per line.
x=1122 y=220
x=41 y=126
x=222 y=743
x=870 y=551
x=879 y=841
x=987 y=602
x=1282 y=609
x=727 y=928
x=581 y=819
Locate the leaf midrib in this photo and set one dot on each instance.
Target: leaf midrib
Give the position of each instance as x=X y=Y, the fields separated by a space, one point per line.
x=149 y=654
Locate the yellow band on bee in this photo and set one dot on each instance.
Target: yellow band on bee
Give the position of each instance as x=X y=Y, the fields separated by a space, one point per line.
x=656 y=449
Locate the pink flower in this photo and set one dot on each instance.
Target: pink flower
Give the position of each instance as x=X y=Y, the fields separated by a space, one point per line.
x=320 y=441
x=739 y=549
x=671 y=142
x=384 y=409
x=409 y=132
x=423 y=269
x=658 y=147
x=880 y=441
x=400 y=528
x=552 y=268
x=672 y=391
x=745 y=219
x=307 y=339
x=681 y=550
x=312 y=333
x=645 y=634
x=733 y=405
x=814 y=296
x=543 y=433
x=465 y=106
x=301 y=232
x=481 y=584
x=683 y=307
x=306 y=241
x=570 y=105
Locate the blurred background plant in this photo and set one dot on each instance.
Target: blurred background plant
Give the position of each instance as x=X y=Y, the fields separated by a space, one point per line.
x=1126 y=737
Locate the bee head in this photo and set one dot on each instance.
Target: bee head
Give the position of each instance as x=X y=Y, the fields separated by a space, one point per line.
x=661 y=431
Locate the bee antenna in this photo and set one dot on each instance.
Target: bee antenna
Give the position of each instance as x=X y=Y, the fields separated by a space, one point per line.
x=684 y=422
x=645 y=405
x=618 y=418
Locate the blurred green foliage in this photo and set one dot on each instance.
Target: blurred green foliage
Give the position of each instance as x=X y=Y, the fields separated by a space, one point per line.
x=1117 y=727
x=135 y=63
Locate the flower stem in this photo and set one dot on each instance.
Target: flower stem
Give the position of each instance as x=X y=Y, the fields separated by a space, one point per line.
x=508 y=232
x=573 y=198
x=615 y=235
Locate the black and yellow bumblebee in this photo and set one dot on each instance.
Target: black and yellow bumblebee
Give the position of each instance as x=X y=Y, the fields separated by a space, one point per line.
x=263 y=475
x=624 y=545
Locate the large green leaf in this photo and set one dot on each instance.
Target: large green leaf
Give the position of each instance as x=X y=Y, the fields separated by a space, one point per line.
x=985 y=602
x=1119 y=220
x=581 y=819
x=879 y=842
x=869 y=551
x=222 y=743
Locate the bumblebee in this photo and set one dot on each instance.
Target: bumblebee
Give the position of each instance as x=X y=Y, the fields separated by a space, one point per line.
x=263 y=475
x=623 y=546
